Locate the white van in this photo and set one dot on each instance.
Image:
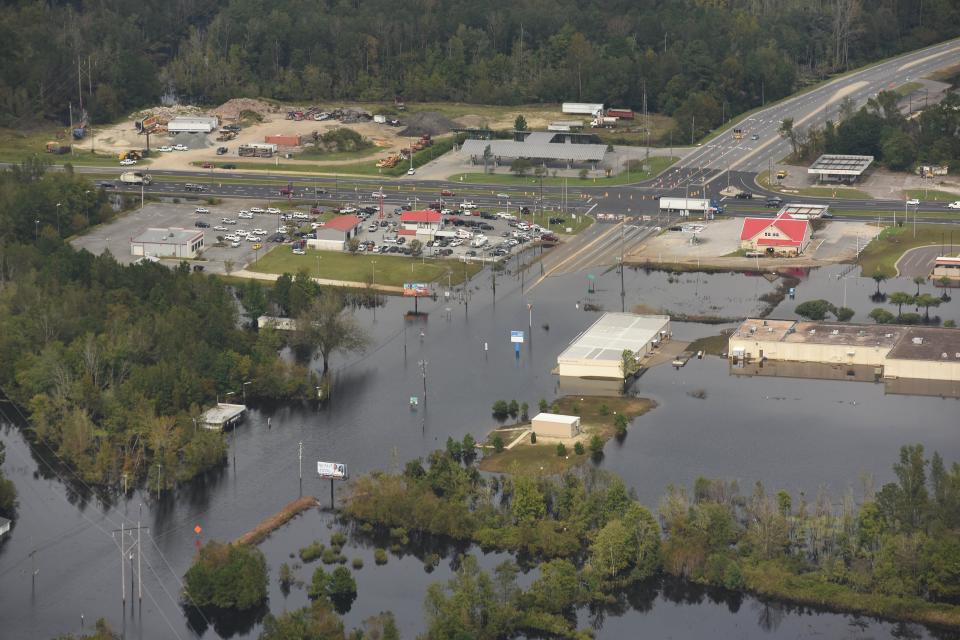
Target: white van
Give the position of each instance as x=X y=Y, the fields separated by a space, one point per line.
x=463 y=234
x=478 y=241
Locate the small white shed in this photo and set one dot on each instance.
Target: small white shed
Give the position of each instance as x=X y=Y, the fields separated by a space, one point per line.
x=555 y=425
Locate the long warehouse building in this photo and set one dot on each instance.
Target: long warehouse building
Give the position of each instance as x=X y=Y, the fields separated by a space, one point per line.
x=598 y=351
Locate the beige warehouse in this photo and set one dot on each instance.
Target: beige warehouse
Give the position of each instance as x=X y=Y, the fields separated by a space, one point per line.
x=555 y=425
x=926 y=353
x=598 y=351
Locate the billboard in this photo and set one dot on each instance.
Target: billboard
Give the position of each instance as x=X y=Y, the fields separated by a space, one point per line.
x=416 y=289
x=332 y=470
x=516 y=337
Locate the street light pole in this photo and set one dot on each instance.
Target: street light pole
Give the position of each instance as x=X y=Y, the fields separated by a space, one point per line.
x=58 y=218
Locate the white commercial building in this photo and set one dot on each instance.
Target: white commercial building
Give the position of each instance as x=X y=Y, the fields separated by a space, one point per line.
x=555 y=425
x=598 y=351
x=173 y=242
x=223 y=415
x=193 y=124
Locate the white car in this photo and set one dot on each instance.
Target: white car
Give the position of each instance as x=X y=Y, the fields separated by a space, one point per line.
x=503 y=195
x=260 y=232
x=281 y=229
x=235 y=243
x=245 y=215
x=219 y=227
x=181 y=147
x=229 y=221
x=468 y=205
x=316 y=225
x=256 y=210
x=231 y=238
x=954 y=205
x=273 y=210
x=348 y=210
x=373 y=227
x=411 y=171
x=456 y=242
x=913 y=202
x=164 y=148
x=299 y=252
x=126 y=162
x=253 y=238
x=201 y=210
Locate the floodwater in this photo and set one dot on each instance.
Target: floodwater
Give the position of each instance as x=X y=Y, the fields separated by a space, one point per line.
x=789 y=433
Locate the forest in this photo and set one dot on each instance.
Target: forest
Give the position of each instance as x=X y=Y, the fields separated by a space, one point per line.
x=709 y=58
x=893 y=551
x=114 y=363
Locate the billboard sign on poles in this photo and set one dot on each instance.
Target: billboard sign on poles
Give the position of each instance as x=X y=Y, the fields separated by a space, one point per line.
x=415 y=289
x=332 y=470
x=516 y=337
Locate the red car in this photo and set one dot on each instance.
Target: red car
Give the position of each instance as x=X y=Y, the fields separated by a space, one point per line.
x=208 y=165
x=447 y=194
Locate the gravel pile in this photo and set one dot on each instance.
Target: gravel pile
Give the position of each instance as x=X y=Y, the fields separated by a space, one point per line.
x=427 y=122
x=231 y=109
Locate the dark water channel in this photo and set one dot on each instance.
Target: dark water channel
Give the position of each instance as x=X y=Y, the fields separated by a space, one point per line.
x=790 y=433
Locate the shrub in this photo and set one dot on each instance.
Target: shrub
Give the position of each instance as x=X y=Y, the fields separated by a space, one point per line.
x=604 y=410
x=329 y=555
x=533 y=437
x=501 y=409
x=497 y=443
x=338 y=539
x=950 y=324
x=312 y=551
x=524 y=412
x=561 y=450
x=596 y=445
x=514 y=409
x=319 y=585
x=380 y=556
x=578 y=448
x=620 y=422
x=542 y=405
x=357 y=563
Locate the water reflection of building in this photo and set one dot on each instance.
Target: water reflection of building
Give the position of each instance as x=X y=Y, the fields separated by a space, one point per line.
x=892 y=351
x=850 y=373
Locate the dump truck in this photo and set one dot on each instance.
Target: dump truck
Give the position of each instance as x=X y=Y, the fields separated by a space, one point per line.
x=604 y=122
x=135 y=177
x=620 y=112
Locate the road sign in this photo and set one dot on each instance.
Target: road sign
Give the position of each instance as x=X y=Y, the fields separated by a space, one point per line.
x=332 y=470
x=516 y=337
x=416 y=289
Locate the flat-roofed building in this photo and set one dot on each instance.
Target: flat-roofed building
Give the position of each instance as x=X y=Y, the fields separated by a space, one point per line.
x=800 y=211
x=555 y=425
x=193 y=124
x=946 y=267
x=929 y=353
x=540 y=147
x=598 y=351
x=224 y=415
x=839 y=168
x=335 y=232
x=172 y=242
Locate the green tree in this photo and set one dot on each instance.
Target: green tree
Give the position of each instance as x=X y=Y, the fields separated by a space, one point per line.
x=467 y=607
x=543 y=406
x=919 y=280
x=228 y=576
x=814 y=309
x=620 y=424
x=557 y=589
x=596 y=445
x=501 y=409
x=353 y=245
x=785 y=130
x=528 y=505
x=318 y=621
x=514 y=409
x=524 y=412
x=926 y=301
x=253 y=299
x=326 y=327
x=520 y=123
x=879 y=277
x=577 y=448
x=881 y=316
x=416 y=247
x=319 y=584
x=497 y=443
x=342 y=589
x=8 y=491
x=900 y=298
x=521 y=166
x=561 y=450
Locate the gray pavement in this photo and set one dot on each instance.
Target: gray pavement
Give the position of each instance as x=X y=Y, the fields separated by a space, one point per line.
x=918 y=262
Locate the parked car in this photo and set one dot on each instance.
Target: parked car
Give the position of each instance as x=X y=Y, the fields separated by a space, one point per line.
x=201 y=224
x=208 y=165
x=164 y=148
x=744 y=195
x=273 y=210
x=221 y=151
x=181 y=147
x=256 y=210
x=914 y=202
x=234 y=243
x=126 y=162
x=755 y=137
x=411 y=171
x=201 y=210
x=447 y=194
x=299 y=252
x=776 y=202
x=219 y=227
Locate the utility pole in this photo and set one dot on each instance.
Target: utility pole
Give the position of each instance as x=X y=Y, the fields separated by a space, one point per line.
x=423 y=373
x=159 y=472
x=301 y=460
x=126 y=553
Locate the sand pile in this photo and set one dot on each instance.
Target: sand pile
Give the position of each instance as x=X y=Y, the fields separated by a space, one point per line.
x=231 y=109
x=427 y=122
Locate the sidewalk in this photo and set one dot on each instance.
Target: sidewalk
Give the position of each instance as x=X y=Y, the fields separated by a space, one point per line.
x=257 y=275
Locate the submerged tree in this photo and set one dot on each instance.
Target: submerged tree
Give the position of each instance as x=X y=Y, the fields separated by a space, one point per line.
x=325 y=327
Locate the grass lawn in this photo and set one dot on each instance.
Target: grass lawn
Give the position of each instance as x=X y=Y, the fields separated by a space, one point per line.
x=906 y=89
x=713 y=345
x=578 y=225
x=839 y=193
x=883 y=251
x=390 y=270
x=311 y=153
x=596 y=418
x=928 y=195
x=657 y=166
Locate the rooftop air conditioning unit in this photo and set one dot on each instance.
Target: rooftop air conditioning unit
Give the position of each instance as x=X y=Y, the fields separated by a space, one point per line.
x=918 y=340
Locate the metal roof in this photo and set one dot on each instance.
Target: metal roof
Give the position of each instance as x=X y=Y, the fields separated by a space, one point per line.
x=812 y=210
x=223 y=413
x=539 y=144
x=172 y=235
x=607 y=338
x=840 y=165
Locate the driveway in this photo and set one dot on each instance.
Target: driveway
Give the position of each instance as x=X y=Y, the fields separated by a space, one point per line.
x=918 y=261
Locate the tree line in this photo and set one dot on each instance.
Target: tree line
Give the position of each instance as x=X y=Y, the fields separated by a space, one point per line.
x=691 y=58
x=894 y=553
x=880 y=129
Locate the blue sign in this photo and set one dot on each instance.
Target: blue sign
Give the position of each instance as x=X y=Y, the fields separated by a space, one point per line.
x=516 y=337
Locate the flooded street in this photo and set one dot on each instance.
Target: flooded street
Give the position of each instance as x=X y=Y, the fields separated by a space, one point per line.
x=789 y=433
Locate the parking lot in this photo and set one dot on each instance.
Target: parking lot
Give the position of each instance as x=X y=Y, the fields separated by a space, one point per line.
x=116 y=235
x=468 y=233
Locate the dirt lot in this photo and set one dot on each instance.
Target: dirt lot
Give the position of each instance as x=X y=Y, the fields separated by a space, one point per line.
x=836 y=242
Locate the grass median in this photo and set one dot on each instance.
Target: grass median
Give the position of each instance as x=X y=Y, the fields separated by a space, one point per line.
x=931 y=195
x=381 y=269
x=881 y=255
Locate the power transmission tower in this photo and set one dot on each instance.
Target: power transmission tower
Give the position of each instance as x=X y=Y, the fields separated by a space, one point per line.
x=126 y=548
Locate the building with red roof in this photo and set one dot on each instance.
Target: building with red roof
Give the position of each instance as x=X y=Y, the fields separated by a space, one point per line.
x=426 y=222
x=335 y=232
x=783 y=235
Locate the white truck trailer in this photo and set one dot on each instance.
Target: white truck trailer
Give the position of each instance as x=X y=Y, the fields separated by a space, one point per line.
x=135 y=177
x=686 y=206
x=582 y=108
